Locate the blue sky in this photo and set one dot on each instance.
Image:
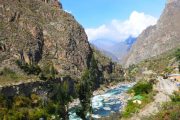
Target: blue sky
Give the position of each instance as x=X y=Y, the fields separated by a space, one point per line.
x=114 y=20
x=93 y=13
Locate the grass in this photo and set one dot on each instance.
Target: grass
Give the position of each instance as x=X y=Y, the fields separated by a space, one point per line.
x=159 y=64
x=133 y=108
x=9 y=76
x=143 y=89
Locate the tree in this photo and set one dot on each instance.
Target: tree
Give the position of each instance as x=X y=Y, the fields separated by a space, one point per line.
x=85 y=94
x=62 y=97
x=178 y=56
x=94 y=74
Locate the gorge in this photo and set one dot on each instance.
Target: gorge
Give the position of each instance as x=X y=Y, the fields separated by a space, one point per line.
x=47 y=62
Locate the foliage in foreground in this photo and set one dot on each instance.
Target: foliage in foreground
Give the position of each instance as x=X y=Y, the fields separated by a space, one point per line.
x=142 y=87
x=145 y=90
x=85 y=94
x=34 y=107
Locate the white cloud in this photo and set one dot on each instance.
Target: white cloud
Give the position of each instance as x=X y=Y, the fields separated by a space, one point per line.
x=120 y=30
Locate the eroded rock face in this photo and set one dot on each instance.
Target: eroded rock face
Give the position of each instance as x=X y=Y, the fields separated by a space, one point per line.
x=54 y=3
x=160 y=38
x=32 y=30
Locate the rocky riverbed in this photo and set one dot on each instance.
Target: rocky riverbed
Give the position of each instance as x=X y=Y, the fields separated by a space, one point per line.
x=106 y=102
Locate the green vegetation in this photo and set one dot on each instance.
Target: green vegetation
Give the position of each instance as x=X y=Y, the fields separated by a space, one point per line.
x=85 y=94
x=6 y=72
x=94 y=74
x=143 y=90
x=178 y=57
x=21 y=107
x=108 y=71
x=7 y=76
x=48 y=71
x=53 y=104
x=131 y=72
x=177 y=54
x=30 y=69
x=35 y=106
x=160 y=63
x=62 y=98
x=170 y=110
x=89 y=82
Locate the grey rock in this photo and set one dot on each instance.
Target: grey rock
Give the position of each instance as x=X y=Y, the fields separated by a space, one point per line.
x=157 y=39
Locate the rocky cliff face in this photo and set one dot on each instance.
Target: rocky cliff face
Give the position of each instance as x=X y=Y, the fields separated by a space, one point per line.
x=110 y=71
x=160 y=38
x=39 y=31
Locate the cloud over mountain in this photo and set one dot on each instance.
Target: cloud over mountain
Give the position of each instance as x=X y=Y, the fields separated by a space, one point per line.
x=121 y=30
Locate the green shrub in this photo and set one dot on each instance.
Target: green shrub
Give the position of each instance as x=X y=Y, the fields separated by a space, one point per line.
x=30 y=69
x=130 y=109
x=21 y=101
x=17 y=115
x=9 y=73
x=177 y=54
x=48 y=71
x=142 y=88
x=176 y=97
x=51 y=108
x=35 y=114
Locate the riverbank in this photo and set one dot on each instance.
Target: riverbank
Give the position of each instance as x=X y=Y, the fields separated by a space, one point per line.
x=106 y=101
x=103 y=89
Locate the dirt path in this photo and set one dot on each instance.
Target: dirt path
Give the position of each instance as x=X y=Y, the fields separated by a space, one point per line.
x=164 y=88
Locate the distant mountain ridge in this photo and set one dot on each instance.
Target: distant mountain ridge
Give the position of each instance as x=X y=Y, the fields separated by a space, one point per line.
x=157 y=39
x=114 y=49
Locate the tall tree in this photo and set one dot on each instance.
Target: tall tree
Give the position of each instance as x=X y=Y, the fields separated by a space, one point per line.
x=94 y=74
x=62 y=97
x=85 y=94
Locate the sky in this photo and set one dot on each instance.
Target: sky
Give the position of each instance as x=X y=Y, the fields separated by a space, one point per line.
x=114 y=19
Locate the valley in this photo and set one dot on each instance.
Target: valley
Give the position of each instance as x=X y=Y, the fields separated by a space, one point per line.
x=51 y=70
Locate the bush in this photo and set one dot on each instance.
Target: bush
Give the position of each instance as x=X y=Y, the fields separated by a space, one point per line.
x=130 y=109
x=30 y=69
x=8 y=73
x=176 y=97
x=36 y=114
x=48 y=71
x=177 y=54
x=142 y=88
x=51 y=108
x=21 y=101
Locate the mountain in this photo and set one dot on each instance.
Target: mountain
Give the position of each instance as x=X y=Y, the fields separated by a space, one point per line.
x=40 y=41
x=162 y=37
x=34 y=31
x=104 y=44
x=114 y=49
x=109 y=55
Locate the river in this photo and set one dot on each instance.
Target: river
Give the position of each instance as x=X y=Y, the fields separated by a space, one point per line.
x=104 y=104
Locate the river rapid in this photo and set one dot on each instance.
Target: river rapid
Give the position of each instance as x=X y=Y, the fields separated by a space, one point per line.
x=111 y=101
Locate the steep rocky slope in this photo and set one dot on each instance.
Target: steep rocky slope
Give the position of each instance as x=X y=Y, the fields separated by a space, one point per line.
x=160 y=38
x=40 y=32
x=38 y=39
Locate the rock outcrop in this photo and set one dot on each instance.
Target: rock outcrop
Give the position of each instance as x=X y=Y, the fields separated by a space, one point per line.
x=39 y=31
x=160 y=38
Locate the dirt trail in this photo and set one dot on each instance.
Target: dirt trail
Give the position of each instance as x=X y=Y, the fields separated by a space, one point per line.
x=164 y=88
